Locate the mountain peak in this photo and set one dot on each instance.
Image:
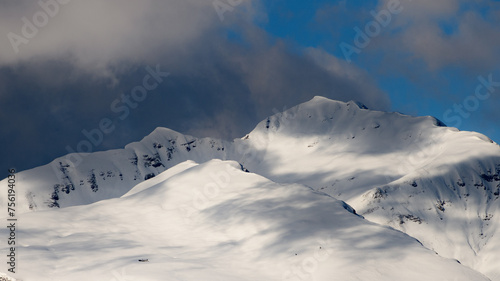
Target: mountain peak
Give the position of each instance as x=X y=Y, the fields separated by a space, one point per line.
x=397 y=170
x=321 y=99
x=318 y=100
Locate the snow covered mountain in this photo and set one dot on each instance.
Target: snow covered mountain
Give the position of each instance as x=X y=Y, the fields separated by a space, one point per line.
x=247 y=228
x=434 y=183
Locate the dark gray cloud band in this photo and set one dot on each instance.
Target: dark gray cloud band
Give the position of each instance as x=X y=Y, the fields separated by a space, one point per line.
x=64 y=82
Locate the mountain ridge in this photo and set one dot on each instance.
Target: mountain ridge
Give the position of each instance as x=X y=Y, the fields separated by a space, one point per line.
x=263 y=230
x=437 y=184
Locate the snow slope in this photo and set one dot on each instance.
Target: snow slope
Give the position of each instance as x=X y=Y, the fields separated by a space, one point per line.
x=216 y=222
x=432 y=182
x=439 y=185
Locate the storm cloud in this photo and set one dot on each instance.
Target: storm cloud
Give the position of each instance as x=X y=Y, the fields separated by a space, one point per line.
x=84 y=56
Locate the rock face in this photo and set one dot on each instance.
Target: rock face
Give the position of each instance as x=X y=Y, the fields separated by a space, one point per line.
x=432 y=182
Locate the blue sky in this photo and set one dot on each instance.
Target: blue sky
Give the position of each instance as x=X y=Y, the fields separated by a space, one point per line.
x=419 y=89
x=65 y=66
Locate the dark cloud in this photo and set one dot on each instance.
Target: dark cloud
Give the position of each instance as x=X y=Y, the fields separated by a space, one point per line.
x=92 y=52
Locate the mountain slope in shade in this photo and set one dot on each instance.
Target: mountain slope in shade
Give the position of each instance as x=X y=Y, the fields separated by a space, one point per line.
x=434 y=183
x=247 y=228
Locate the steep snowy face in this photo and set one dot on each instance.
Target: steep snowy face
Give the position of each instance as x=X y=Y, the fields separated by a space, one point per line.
x=216 y=222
